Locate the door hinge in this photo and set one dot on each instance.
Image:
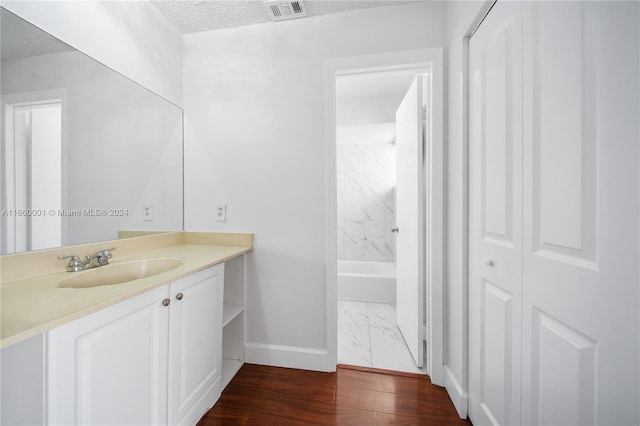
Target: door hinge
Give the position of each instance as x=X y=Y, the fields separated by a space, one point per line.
x=425 y=333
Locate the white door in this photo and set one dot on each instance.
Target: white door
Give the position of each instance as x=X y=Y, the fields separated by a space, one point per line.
x=410 y=220
x=495 y=216
x=581 y=233
x=111 y=367
x=564 y=328
x=46 y=175
x=196 y=345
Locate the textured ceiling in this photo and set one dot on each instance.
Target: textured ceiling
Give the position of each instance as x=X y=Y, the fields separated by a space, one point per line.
x=191 y=16
x=20 y=39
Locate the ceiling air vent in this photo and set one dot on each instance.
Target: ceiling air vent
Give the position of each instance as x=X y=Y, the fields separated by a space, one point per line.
x=282 y=10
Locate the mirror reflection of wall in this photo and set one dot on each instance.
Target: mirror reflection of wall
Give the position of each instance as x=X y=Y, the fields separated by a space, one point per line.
x=83 y=148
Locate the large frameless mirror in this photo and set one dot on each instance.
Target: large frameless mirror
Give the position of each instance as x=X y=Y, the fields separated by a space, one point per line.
x=86 y=152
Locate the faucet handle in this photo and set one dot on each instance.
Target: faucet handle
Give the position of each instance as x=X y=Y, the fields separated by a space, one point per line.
x=106 y=253
x=100 y=258
x=73 y=257
x=75 y=263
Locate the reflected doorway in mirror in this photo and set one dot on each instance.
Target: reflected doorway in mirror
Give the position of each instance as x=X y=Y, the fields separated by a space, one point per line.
x=32 y=151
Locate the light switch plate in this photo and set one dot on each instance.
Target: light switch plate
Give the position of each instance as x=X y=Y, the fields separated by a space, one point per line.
x=221 y=212
x=147 y=212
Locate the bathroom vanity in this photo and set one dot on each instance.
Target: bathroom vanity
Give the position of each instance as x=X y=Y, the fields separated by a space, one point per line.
x=153 y=350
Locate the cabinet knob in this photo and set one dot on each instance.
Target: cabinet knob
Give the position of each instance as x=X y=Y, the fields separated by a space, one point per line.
x=166 y=302
x=395 y=229
x=489 y=262
x=179 y=296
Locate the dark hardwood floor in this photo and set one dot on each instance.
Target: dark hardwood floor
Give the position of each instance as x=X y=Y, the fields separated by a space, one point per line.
x=260 y=395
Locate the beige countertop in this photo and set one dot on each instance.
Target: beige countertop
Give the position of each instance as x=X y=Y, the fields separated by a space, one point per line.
x=34 y=304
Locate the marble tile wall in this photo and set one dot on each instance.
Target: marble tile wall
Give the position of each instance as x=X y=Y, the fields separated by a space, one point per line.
x=366 y=201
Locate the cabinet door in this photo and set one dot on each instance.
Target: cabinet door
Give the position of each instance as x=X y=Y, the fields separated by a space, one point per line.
x=110 y=367
x=196 y=345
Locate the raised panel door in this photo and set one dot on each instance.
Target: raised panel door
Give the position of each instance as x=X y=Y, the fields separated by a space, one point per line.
x=110 y=367
x=576 y=311
x=581 y=198
x=195 y=359
x=495 y=212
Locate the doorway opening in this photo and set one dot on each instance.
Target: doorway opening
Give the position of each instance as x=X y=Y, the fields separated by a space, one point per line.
x=367 y=109
x=384 y=265
x=32 y=173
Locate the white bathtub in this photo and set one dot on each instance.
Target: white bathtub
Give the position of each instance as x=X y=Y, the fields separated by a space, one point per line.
x=367 y=281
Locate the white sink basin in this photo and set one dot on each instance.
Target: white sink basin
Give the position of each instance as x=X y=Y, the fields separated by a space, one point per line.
x=119 y=273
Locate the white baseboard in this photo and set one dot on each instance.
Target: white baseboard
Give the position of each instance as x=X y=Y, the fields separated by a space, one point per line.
x=286 y=356
x=458 y=396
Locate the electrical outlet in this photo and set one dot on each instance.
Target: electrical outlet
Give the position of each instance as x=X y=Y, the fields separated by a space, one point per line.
x=221 y=213
x=147 y=212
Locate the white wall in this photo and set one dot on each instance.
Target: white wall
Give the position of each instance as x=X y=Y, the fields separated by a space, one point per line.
x=254 y=139
x=460 y=15
x=371 y=98
x=131 y=37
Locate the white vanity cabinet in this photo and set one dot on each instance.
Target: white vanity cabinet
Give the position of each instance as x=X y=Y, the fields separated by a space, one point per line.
x=153 y=359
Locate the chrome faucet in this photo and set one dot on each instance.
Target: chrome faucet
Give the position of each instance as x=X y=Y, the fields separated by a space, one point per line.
x=100 y=258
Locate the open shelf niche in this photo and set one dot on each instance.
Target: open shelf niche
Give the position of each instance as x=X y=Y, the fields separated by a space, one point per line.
x=233 y=336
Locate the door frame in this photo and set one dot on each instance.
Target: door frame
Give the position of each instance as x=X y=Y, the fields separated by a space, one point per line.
x=8 y=103
x=431 y=59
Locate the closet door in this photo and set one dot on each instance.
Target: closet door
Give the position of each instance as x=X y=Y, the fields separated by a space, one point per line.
x=581 y=187
x=495 y=212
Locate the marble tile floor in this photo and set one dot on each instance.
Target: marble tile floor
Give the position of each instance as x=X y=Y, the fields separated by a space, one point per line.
x=369 y=337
